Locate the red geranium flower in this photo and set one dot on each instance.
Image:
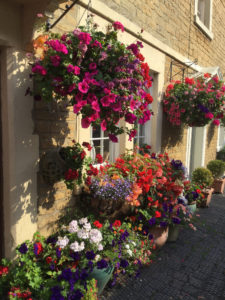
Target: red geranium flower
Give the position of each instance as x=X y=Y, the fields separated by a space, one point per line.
x=116 y=224
x=97 y=224
x=99 y=158
x=158 y=214
x=4 y=270
x=48 y=259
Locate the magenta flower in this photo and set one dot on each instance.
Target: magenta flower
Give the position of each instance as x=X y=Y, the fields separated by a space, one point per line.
x=70 y=68
x=85 y=122
x=95 y=106
x=96 y=44
x=105 y=101
x=39 y=69
x=113 y=138
x=71 y=87
x=57 y=46
x=130 y=118
x=112 y=98
x=85 y=38
x=76 y=70
x=118 y=26
x=117 y=107
x=92 y=66
x=216 y=122
x=83 y=87
x=209 y=115
x=103 y=125
x=132 y=134
x=55 y=60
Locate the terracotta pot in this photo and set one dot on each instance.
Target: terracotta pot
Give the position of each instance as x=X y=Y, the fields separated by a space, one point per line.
x=208 y=196
x=160 y=235
x=174 y=231
x=219 y=185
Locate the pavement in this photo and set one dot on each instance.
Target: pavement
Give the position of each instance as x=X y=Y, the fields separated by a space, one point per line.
x=191 y=268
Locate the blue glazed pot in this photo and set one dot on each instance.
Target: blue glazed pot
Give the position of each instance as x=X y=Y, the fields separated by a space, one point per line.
x=102 y=276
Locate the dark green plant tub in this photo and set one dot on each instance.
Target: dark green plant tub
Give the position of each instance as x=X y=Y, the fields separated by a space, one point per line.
x=173 y=233
x=102 y=276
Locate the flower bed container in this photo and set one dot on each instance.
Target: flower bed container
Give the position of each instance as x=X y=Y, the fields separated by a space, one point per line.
x=160 y=235
x=102 y=276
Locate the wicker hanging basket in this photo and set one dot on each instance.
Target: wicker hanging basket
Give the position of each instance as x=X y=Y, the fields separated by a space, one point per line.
x=52 y=166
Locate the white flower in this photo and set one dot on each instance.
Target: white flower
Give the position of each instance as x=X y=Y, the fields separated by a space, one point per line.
x=133 y=243
x=73 y=226
x=97 y=257
x=75 y=247
x=83 y=234
x=95 y=236
x=129 y=252
x=64 y=228
x=83 y=221
x=62 y=241
x=87 y=226
x=127 y=246
x=81 y=247
x=100 y=247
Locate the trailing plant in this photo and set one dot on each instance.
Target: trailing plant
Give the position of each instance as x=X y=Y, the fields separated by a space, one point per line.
x=104 y=79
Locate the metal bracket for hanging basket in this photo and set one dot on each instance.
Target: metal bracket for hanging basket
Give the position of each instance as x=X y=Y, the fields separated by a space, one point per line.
x=52 y=166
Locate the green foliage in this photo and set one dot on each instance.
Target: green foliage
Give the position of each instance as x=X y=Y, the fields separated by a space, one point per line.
x=217 y=168
x=203 y=177
x=221 y=154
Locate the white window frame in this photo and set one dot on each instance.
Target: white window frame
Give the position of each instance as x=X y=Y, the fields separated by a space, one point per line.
x=113 y=147
x=220 y=144
x=207 y=6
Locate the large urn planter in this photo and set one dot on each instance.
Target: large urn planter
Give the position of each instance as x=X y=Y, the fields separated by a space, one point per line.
x=219 y=185
x=174 y=231
x=102 y=276
x=208 y=196
x=160 y=235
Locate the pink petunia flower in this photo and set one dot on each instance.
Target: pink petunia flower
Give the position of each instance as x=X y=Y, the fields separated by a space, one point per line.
x=85 y=37
x=83 y=87
x=118 y=26
x=92 y=66
x=113 y=138
x=85 y=122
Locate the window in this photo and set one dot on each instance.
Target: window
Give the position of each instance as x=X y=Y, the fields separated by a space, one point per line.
x=221 y=138
x=203 y=16
x=143 y=135
x=102 y=145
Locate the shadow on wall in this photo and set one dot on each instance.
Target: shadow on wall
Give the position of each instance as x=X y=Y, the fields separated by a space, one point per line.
x=210 y=133
x=172 y=136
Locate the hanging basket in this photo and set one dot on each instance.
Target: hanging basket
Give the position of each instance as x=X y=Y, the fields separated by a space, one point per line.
x=52 y=166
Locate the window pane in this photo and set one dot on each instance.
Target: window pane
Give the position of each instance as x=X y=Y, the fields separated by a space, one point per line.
x=141 y=130
x=141 y=141
x=106 y=150
x=96 y=144
x=96 y=132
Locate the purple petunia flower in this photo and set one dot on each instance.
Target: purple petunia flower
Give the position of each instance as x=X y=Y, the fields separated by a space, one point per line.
x=90 y=255
x=124 y=263
x=102 y=264
x=23 y=248
x=152 y=221
x=176 y=220
x=58 y=252
x=163 y=224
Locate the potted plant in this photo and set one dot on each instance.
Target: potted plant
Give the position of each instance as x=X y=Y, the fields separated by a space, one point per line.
x=191 y=193
x=217 y=167
x=203 y=177
x=221 y=154
x=195 y=102
x=104 y=79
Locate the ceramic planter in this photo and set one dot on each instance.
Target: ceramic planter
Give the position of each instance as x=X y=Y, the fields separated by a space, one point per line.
x=208 y=196
x=102 y=276
x=219 y=185
x=160 y=235
x=192 y=207
x=174 y=231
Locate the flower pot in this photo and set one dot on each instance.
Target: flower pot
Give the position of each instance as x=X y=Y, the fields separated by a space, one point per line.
x=102 y=276
x=208 y=196
x=173 y=233
x=192 y=207
x=219 y=185
x=160 y=235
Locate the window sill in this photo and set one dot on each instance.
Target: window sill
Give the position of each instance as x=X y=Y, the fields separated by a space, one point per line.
x=203 y=28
